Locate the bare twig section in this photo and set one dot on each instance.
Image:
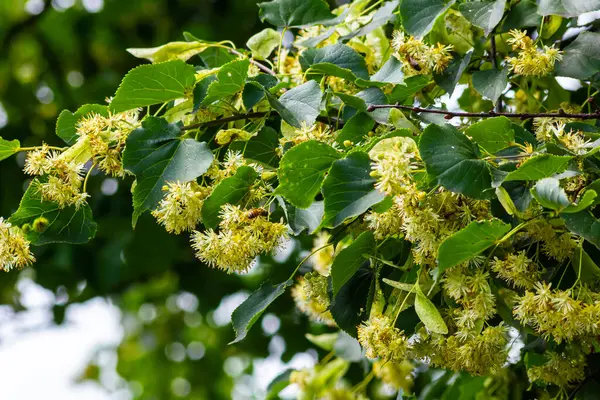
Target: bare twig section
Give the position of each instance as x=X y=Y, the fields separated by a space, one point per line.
x=490 y=114
x=260 y=66
x=254 y=115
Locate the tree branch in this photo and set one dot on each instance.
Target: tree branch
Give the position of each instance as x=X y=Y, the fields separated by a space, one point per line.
x=253 y=115
x=259 y=65
x=452 y=114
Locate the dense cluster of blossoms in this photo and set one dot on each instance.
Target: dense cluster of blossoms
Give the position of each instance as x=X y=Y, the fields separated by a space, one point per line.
x=310 y=295
x=241 y=237
x=62 y=177
x=106 y=136
x=556 y=314
x=530 y=60
x=14 y=247
x=560 y=369
x=181 y=207
x=381 y=339
x=517 y=269
x=417 y=57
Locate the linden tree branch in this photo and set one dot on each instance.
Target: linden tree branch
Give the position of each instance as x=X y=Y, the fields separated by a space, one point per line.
x=490 y=114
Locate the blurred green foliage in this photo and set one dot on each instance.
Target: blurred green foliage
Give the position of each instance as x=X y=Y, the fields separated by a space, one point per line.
x=60 y=58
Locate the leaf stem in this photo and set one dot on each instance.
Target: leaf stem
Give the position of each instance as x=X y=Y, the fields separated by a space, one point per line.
x=39 y=147
x=306 y=259
x=283 y=31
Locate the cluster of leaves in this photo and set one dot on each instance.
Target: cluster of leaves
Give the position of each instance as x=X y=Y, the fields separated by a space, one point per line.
x=433 y=241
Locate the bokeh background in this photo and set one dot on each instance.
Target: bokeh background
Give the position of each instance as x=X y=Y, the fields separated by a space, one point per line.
x=131 y=314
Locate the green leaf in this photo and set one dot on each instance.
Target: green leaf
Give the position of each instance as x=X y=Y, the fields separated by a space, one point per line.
x=335 y=60
x=66 y=124
x=550 y=195
x=567 y=8
x=299 y=105
x=153 y=84
x=65 y=225
x=253 y=307
x=324 y=341
x=585 y=225
x=156 y=153
x=442 y=147
x=375 y=96
x=450 y=158
x=587 y=200
x=302 y=170
x=352 y=304
x=8 y=148
x=581 y=58
x=347 y=347
x=278 y=383
x=429 y=314
x=350 y=259
x=382 y=16
x=356 y=129
x=229 y=191
x=449 y=78
x=493 y=134
x=411 y=86
x=484 y=14
x=469 y=242
x=301 y=219
x=521 y=15
x=252 y=93
x=294 y=13
x=590 y=272
x=348 y=189
x=539 y=167
x=230 y=80
x=170 y=51
x=263 y=43
x=469 y=177
x=390 y=72
x=418 y=16
x=507 y=202
x=490 y=83
x=201 y=90
x=261 y=148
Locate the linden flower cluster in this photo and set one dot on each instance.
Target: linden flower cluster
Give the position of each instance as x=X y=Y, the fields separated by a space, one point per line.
x=531 y=61
x=318 y=131
x=434 y=219
x=397 y=375
x=241 y=237
x=517 y=269
x=106 y=136
x=549 y=129
x=561 y=370
x=62 y=175
x=556 y=245
x=472 y=290
x=417 y=57
x=310 y=295
x=221 y=170
x=556 y=314
x=381 y=339
x=477 y=354
x=180 y=208
x=14 y=247
x=392 y=164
